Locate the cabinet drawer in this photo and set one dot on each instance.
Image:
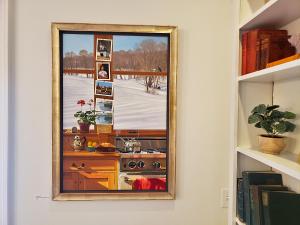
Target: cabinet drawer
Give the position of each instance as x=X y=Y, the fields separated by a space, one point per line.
x=89 y=164
x=70 y=182
x=97 y=181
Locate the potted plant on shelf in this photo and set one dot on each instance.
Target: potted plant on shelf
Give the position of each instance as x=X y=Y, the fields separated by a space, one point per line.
x=275 y=123
x=85 y=118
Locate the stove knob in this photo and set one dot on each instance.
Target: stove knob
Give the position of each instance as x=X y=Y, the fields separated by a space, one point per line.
x=156 y=165
x=131 y=164
x=140 y=164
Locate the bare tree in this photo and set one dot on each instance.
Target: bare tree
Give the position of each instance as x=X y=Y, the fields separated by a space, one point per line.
x=147 y=56
x=84 y=60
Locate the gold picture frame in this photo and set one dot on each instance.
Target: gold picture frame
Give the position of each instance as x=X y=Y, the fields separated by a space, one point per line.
x=57 y=194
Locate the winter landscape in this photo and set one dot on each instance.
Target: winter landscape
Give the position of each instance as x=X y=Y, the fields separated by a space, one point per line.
x=134 y=108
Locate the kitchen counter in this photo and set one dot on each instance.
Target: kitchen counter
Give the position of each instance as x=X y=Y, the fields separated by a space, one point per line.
x=143 y=156
x=84 y=153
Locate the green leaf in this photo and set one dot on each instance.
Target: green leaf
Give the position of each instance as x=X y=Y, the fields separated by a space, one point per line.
x=261 y=109
x=272 y=107
x=267 y=126
x=258 y=125
x=280 y=127
x=254 y=118
x=290 y=127
x=276 y=114
x=289 y=115
x=271 y=119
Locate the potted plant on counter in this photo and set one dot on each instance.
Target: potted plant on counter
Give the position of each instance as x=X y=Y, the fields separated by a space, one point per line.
x=85 y=118
x=275 y=123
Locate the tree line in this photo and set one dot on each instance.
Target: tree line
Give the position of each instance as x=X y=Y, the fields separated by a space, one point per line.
x=147 y=56
x=83 y=60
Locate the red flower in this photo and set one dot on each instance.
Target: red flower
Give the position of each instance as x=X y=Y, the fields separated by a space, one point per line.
x=81 y=102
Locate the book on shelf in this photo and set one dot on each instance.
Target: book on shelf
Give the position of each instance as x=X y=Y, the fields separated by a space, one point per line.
x=244 y=52
x=257 y=178
x=256 y=201
x=240 y=200
x=281 y=208
x=273 y=48
x=284 y=60
x=262 y=46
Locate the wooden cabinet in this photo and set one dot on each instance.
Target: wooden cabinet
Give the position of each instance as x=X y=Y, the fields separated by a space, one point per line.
x=83 y=181
x=82 y=164
x=97 y=181
x=87 y=171
x=70 y=181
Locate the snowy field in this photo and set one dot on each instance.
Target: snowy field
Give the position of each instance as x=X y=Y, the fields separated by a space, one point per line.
x=75 y=88
x=136 y=109
x=133 y=107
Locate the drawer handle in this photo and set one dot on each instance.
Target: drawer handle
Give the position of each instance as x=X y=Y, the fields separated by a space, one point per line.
x=78 y=167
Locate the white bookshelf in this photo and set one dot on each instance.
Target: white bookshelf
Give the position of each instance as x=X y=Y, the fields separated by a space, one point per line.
x=286 y=162
x=284 y=71
x=270 y=14
x=275 y=85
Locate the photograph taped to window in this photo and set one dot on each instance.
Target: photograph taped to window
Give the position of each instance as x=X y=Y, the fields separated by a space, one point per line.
x=104 y=49
x=103 y=70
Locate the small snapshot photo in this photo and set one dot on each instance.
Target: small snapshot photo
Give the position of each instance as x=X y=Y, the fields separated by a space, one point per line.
x=104 y=118
x=103 y=88
x=104 y=49
x=104 y=105
x=103 y=70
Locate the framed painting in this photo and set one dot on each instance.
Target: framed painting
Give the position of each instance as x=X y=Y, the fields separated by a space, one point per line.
x=114 y=111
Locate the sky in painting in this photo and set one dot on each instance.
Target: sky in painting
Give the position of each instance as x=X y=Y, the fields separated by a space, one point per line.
x=77 y=42
x=126 y=42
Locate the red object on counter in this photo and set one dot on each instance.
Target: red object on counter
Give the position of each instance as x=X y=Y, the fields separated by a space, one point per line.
x=149 y=184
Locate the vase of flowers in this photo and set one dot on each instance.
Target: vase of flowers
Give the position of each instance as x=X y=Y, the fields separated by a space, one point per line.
x=85 y=118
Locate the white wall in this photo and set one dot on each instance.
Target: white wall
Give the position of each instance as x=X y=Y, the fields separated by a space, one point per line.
x=3 y=109
x=205 y=52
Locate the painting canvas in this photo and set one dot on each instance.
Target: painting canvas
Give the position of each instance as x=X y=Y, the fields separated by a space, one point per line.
x=115 y=114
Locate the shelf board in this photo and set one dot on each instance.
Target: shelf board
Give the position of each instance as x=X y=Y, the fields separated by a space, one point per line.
x=285 y=162
x=239 y=222
x=274 y=14
x=283 y=71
